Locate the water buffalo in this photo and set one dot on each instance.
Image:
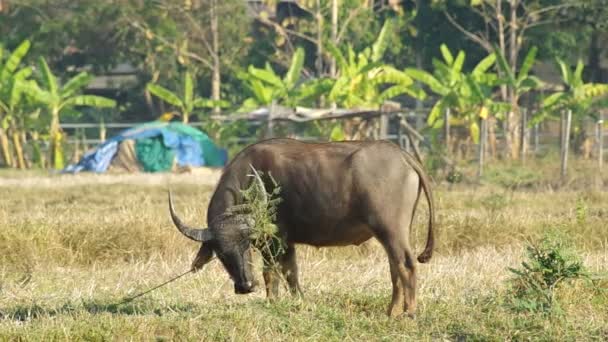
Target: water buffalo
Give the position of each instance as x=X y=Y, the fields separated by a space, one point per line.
x=333 y=194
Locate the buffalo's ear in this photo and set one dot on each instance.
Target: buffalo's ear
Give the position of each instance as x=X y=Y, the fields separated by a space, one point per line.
x=203 y=257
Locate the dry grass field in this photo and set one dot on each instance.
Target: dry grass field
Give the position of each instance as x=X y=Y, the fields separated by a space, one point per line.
x=72 y=247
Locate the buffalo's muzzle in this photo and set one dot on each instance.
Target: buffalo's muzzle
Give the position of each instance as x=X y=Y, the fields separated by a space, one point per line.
x=244 y=288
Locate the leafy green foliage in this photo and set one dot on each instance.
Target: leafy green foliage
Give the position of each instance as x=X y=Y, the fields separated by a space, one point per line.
x=521 y=82
x=266 y=86
x=581 y=211
x=549 y=263
x=361 y=75
x=468 y=95
x=58 y=99
x=187 y=101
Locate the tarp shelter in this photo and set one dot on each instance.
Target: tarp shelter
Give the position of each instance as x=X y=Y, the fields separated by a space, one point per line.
x=153 y=147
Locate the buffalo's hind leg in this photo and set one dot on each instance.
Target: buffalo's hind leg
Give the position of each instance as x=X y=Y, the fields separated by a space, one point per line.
x=396 y=306
x=403 y=275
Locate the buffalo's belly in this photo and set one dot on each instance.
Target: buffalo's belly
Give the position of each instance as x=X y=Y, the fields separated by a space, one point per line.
x=342 y=234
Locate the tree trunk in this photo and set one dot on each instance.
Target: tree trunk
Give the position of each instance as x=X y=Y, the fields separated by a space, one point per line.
x=6 y=154
x=216 y=80
x=56 y=152
x=23 y=139
x=483 y=134
x=501 y=44
x=334 y=35
x=492 y=136
x=18 y=150
x=513 y=129
x=319 y=19
x=513 y=118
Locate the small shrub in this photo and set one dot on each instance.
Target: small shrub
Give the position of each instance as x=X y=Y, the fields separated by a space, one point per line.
x=494 y=202
x=549 y=263
x=513 y=176
x=581 y=211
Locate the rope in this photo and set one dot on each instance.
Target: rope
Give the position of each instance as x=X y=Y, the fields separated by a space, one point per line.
x=129 y=299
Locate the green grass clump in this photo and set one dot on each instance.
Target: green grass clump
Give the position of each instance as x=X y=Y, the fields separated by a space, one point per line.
x=550 y=263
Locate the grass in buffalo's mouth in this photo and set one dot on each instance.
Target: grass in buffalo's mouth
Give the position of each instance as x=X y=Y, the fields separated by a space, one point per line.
x=70 y=255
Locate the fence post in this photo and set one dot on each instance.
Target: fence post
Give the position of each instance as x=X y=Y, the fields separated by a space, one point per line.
x=399 y=134
x=383 y=125
x=447 y=129
x=565 y=142
x=102 y=130
x=483 y=134
x=536 y=139
x=600 y=134
x=524 y=141
x=270 y=122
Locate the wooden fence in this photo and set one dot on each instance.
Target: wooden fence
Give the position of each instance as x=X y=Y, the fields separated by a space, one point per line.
x=402 y=126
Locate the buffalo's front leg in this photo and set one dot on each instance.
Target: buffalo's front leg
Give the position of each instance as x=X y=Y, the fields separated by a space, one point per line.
x=289 y=267
x=271 y=278
x=286 y=264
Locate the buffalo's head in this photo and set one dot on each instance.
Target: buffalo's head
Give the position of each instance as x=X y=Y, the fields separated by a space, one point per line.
x=228 y=236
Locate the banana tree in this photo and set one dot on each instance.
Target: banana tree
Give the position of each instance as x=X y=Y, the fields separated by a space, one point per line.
x=361 y=75
x=468 y=95
x=266 y=86
x=517 y=84
x=11 y=78
x=580 y=97
x=583 y=99
x=187 y=101
x=58 y=99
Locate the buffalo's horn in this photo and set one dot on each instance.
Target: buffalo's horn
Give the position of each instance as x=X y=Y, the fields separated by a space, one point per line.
x=261 y=186
x=195 y=234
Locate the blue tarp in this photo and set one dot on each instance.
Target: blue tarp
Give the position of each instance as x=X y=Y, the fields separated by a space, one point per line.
x=190 y=146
